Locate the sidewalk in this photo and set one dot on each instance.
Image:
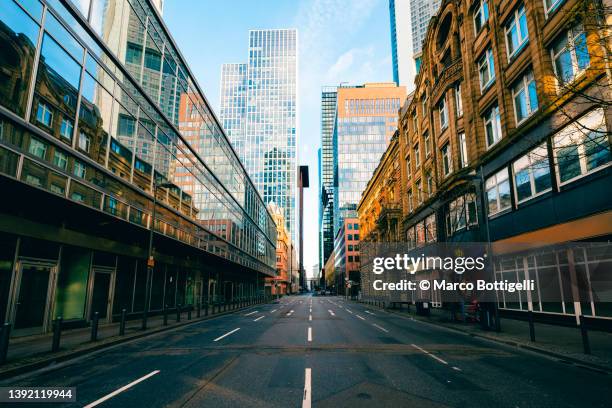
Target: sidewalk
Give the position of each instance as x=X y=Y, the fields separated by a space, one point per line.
x=32 y=352
x=560 y=342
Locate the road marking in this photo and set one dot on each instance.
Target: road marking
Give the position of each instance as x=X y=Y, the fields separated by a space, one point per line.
x=331 y=313
x=456 y=369
x=310 y=334
x=227 y=334
x=368 y=312
x=259 y=318
x=310 y=311
x=360 y=317
x=252 y=313
x=381 y=328
x=306 y=403
x=349 y=311
x=290 y=313
x=310 y=318
x=120 y=390
x=429 y=354
x=272 y=311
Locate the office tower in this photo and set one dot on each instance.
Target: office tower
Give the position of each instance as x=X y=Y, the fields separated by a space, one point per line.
x=409 y=21
x=326 y=203
x=259 y=108
x=366 y=118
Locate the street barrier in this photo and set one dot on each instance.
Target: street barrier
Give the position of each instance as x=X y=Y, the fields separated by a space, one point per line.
x=5 y=333
x=178 y=313
x=122 y=322
x=94 y=326
x=57 y=332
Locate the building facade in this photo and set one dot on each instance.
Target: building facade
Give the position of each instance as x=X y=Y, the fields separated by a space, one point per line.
x=259 y=105
x=91 y=148
x=366 y=118
x=507 y=133
x=346 y=257
x=409 y=21
x=280 y=284
x=326 y=174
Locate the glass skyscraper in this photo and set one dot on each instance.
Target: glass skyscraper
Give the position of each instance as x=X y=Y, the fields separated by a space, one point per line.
x=366 y=118
x=326 y=206
x=259 y=110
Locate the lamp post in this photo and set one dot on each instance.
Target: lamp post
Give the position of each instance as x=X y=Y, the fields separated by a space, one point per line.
x=150 y=258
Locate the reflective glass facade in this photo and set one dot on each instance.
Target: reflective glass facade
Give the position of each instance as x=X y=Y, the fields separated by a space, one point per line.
x=114 y=116
x=266 y=133
x=328 y=118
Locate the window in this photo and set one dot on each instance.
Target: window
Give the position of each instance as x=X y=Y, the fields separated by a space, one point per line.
x=516 y=32
x=350 y=247
x=551 y=5
x=37 y=148
x=463 y=157
x=524 y=97
x=417 y=155
x=582 y=147
x=424 y=105
x=431 y=230
x=350 y=258
x=458 y=100
x=350 y=237
x=356 y=236
x=84 y=142
x=492 y=125
x=408 y=167
x=66 y=129
x=430 y=187
x=447 y=164
x=486 y=69
x=570 y=54
x=78 y=169
x=44 y=114
x=481 y=15
x=60 y=160
x=350 y=226
x=532 y=174
x=410 y=201
x=355 y=226
x=443 y=114
x=427 y=143
x=461 y=213
x=415 y=123
x=498 y=192
x=419 y=191
x=78 y=197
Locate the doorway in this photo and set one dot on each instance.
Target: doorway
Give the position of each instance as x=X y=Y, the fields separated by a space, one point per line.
x=101 y=293
x=34 y=291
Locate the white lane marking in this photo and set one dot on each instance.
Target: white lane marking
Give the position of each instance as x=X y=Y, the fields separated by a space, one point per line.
x=227 y=334
x=456 y=369
x=306 y=403
x=349 y=311
x=290 y=313
x=259 y=318
x=120 y=390
x=310 y=318
x=331 y=313
x=252 y=313
x=272 y=311
x=310 y=334
x=429 y=354
x=360 y=317
x=310 y=311
x=381 y=328
x=368 y=312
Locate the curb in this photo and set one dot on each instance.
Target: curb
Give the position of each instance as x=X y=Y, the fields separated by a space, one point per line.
x=47 y=361
x=562 y=357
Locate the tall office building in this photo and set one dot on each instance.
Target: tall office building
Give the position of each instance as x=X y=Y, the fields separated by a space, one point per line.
x=259 y=110
x=409 y=21
x=326 y=205
x=366 y=118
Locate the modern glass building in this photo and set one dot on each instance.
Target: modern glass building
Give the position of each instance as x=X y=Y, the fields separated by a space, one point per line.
x=326 y=207
x=264 y=92
x=105 y=135
x=366 y=118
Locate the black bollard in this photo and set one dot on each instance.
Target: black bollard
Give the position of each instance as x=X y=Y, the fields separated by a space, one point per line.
x=57 y=332
x=198 y=310
x=206 y=308
x=531 y=326
x=189 y=312
x=178 y=313
x=122 y=322
x=585 y=336
x=165 y=315
x=5 y=333
x=94 y=326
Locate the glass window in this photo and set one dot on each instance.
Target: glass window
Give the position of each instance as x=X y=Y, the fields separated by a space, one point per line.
x=582 y=147
x=492 y=125
x=37 y=148
x=427 y=144
x=447 y=164
x=63 y=37
x=443 y=114
x=417 y=155
x=463 y=159
x=66 y=129
x=84 y=142
x=551 y=5
x=78 y=169
x=486 y=69
x=524 y=97
x=19 y=38
x=570 y=54
x=458 y=100
x=481 y=15
x=44 y=114
x=532 y=174
x=516 y=31
x=60 y=159
x=82 y=6
x=498 y=192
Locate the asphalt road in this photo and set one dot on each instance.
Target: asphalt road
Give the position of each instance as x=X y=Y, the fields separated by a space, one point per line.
x=322 y=352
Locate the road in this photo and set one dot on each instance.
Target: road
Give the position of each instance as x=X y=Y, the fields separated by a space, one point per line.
x=321 y=352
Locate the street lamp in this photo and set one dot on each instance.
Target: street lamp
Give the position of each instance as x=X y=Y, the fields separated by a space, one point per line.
x=150 y=258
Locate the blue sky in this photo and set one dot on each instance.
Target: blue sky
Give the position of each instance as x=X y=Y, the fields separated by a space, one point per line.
x=339 y=41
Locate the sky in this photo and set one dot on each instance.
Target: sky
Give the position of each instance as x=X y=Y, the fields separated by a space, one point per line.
x=338 y=41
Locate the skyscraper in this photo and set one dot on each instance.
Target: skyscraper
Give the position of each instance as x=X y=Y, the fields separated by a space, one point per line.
x=259 y=111
x=366 y=118
x=326 y=207
x=409 y=21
